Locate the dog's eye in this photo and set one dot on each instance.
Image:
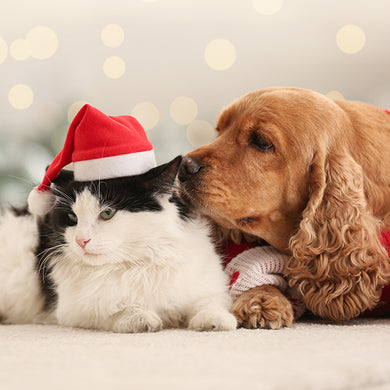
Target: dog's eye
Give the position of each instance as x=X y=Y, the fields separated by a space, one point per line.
x=261 y=144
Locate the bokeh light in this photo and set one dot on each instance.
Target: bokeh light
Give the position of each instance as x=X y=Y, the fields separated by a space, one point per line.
x=335 y=95
x=200 y=132
x=178 y=60
x=220 y=54
x=267 y=7
x=43 y=41
x=20 y=49
x=350 y=39
x=20 y=96
x=147 y=114
x=3 y=50
x=114 y=67
x=112 y=35
x=183 y=110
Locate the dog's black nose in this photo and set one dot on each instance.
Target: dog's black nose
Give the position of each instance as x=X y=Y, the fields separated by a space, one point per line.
x=189 y=166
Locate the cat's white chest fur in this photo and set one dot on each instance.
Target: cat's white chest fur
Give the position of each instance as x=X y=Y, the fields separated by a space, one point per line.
x=166 y=273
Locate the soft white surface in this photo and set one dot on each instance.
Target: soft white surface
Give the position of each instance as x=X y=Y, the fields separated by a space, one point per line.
x=312 y=355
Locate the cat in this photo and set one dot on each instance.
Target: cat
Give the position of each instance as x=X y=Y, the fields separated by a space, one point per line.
x=120 y=255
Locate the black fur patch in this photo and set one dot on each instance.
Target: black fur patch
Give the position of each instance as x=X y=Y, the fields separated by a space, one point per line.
x=185 y=211
x=47 y=240
x=127 y=194
x=132 y=193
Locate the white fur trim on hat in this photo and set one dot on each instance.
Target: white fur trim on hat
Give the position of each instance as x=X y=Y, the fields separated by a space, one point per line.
x=40 y=202
x=115 y=166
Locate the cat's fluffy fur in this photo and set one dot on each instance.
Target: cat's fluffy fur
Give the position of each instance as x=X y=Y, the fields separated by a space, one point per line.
x=147 y=268
x=21 y=298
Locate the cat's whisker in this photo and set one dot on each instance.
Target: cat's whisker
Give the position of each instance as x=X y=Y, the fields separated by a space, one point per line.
x=46 y=251
x=49 y=255
x=61 y=195
x=22 y=179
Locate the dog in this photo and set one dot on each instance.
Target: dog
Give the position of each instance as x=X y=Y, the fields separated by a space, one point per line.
x=310 y=176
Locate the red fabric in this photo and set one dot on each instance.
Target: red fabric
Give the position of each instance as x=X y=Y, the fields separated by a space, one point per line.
x=98 y=135
x=231 y=250
x=234 y=278
x=92 y=134
x=385 y=239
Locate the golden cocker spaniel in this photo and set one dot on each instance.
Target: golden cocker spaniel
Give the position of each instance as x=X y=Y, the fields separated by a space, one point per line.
x=310 y=176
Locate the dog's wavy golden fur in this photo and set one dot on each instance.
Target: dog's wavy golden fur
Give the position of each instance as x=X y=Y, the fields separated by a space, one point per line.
x=311 y=176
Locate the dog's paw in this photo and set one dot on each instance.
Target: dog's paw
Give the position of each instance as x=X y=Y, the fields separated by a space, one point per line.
x=263 y=307
x=137 y=321
x=213 y=320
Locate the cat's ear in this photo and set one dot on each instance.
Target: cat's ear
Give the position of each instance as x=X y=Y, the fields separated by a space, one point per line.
x=65 y=176
x=162 y=177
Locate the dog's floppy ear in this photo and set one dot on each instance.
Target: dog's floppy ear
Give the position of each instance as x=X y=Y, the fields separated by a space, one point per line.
x=338 y=262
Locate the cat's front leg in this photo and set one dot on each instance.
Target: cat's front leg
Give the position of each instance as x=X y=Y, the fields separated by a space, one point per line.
x=212 y=316
x=136 y=319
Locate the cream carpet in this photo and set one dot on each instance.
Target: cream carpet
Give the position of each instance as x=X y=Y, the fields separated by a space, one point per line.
x=313 y=355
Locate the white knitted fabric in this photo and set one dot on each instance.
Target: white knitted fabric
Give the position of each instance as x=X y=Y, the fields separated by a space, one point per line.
x=257 y=267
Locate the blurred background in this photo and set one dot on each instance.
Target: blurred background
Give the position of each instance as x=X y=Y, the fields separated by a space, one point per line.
x=173 y=64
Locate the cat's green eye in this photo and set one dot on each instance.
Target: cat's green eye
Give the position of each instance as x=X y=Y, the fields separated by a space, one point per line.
x=107 y=214
x=72 y=217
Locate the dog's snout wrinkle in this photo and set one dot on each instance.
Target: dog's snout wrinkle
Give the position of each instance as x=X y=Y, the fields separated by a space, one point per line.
x=189 y=166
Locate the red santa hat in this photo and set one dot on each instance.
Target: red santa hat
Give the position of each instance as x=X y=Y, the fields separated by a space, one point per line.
x=100 y=147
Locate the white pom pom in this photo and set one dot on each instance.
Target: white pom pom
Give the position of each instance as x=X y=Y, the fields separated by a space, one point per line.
x=40 y=202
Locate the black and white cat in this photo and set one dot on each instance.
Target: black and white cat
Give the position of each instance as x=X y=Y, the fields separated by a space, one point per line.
x=121 y=255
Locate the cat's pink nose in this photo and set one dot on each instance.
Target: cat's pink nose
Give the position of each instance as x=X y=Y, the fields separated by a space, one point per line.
x=82 y=241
